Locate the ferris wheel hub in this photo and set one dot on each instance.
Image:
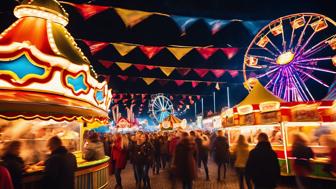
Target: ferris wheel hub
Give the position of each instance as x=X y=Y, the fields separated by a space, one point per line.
x=285 y=58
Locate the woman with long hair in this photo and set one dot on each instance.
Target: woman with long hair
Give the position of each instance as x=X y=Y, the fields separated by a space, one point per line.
x=119 y=155
x=241 y=152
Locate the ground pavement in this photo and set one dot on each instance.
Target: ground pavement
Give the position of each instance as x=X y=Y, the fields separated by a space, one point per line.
x=162 y=181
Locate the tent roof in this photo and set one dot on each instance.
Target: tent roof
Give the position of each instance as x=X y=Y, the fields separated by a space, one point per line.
x=171 y=118
x=258 y=95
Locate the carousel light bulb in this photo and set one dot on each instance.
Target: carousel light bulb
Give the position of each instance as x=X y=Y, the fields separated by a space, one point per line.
x=285 y=58
x=22 y=11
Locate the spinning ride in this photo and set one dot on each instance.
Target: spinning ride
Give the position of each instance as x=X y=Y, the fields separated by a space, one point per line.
x=160 y=107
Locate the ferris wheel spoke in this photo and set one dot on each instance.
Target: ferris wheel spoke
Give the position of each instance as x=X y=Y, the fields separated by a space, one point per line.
x=265 y=59
x=275 y=47
x=300 y=49
x=318 y=47
x=302 y=34
x=312 y=77
x=298 y=87
x=297 y=82
x=283 y=38
x=156 y=105
x=267 y=73
x=314 y=59
x=316 y=69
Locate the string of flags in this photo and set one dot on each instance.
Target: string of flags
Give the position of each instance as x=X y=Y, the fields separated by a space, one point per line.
x=133 y=17
x=150 y=51
x=167 y=71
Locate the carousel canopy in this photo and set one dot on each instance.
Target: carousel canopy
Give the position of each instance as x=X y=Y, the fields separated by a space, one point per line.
x=172 y=119
x=258 y=94
x=42 y=67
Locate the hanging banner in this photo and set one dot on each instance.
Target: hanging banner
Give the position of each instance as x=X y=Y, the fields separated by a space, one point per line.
x=132 y=17
x=148 y=80
x=87 y=11
x=139 y=67
x=179 y=52
x=194 y=84
x=167 y=70
x=206 y=53
x=123 y=49
x=230 y=52
x=150 y=51
x=150 y=67
x=106 y=63
x=179 y=82
x=183 y=22
x=123 y=77
x=183 y=71
x=123 y=66
x=95 y=46
x=233 y=73
x=216 y=25
x=218 y=73
x=201 y=72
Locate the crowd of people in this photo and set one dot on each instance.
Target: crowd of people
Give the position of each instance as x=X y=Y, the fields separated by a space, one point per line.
x=180 y=153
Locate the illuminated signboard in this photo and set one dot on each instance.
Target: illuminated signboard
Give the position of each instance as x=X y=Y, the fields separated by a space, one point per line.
x=246 y=109
x=269 y=106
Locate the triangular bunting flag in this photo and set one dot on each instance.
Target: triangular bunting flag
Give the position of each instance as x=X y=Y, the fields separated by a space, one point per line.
x=230 y=52
x=201 y=72
x=123 y=77
x=95 y=46
x=183 y=71
x=87 y=11
x=167 y=70
x=218 y=73
x=123 y=66
x=194 y=84
x=198 y=97
x=150 y=67
x=123 y=49
x=179 y=82
x=132 y=17
x=216 y=25
x=150 y=51
x=208 y=83
x=148 y=80
x=179 y=52
x=139 y=67
x=106 y=63
x=254 y=26
x=233 y=73
x=206 y=52
x=162 y=82
x=183 y=22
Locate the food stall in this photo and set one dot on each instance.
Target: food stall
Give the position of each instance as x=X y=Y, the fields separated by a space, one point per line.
x=260 y=112
x=48 y=88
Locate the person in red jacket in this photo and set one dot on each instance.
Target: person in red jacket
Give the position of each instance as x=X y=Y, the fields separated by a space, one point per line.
x=5 y=178
x=119 y=157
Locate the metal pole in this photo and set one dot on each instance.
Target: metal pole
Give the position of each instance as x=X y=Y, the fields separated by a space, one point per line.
x=195 y=110
x=202 y=106
x=214 y=101
x=228 y=96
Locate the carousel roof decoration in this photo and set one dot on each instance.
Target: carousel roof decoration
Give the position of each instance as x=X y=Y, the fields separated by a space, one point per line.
x=42 y=66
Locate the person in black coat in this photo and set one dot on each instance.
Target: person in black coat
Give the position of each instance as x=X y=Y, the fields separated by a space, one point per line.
x=14 y=163
x=220 y=149
x=262 y=165
x=60 y=167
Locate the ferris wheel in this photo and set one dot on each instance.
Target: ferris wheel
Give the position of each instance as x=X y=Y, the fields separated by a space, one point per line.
x=293 y=56
x=160 y=107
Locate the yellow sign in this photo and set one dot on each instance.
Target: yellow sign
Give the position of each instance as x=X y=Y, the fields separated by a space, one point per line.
x=246 y=109
x=269 y=106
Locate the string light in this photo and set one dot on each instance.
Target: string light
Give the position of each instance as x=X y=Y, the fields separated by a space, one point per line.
x=23 y=11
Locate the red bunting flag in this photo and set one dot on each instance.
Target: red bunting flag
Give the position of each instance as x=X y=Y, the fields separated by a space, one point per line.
x=194 y=84
x=208 y=83
x=179 y=82
x=206 y=52
x=171 y=98
x=125 y=100
x=184 y=96
x=192 y=102
x=150 y=67
x=143 y=100
x=230 y=52
x=201 y=72
x=150 y=51
x=139 y=67
x=106 y=63
x=162 y=82
x=218 y=73
x=143 y=96
x=87 y=11
x=233 y=73
x=95 y=46
x=183 y=71
x=198 y=97
x=123 y=77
